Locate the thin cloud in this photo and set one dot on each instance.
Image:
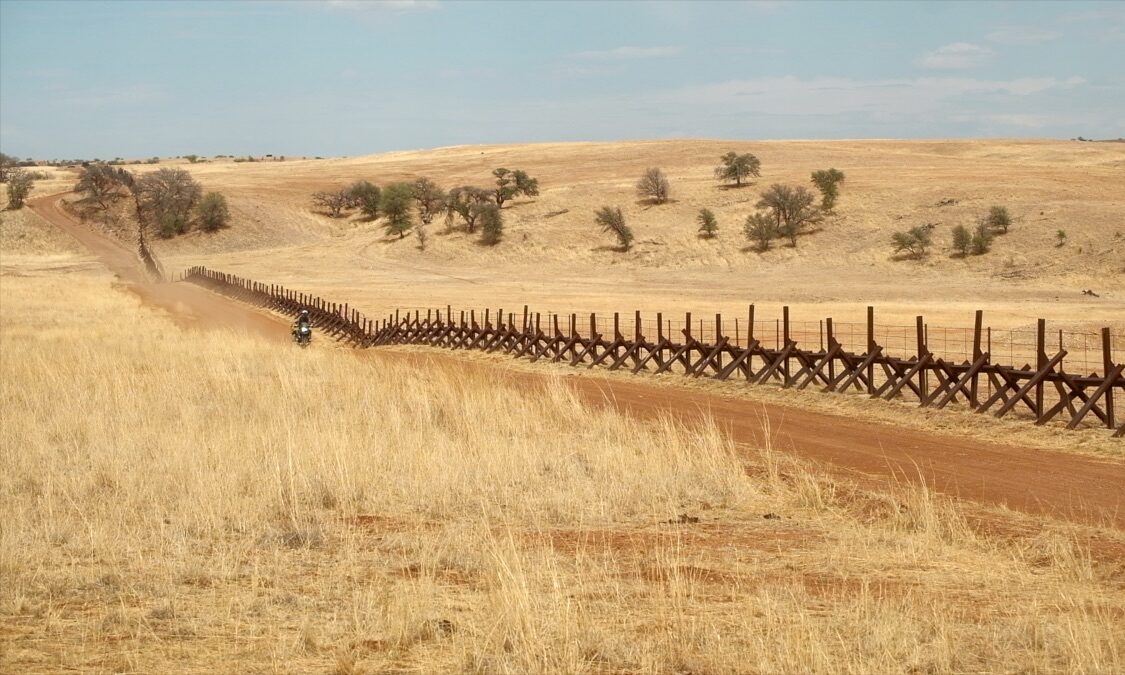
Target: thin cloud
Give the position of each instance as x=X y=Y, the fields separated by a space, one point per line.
x=385 y=5
x=628 y=53
x=1022 y=35
x=956 y=56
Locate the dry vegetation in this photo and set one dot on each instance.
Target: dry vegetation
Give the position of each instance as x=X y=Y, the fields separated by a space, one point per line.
x=313 y=510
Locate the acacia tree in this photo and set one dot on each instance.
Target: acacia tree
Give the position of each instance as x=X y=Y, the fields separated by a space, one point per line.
x=962 y=240
x=467 y=202
x=998 y=218
x=395 y=203
x=365 y=196
x=6 y=164
x=166 y=196
x=430 y=198
x=103 y=184
x=491 y=224
x=20 y=182
x=212 y=212
x=760 y=228
x=511 y=184
x=914 y=241
x=791 y=208
x=708 y=223
x=736 y=167
x=828 y=182
x=612 y=220
x=653 y=186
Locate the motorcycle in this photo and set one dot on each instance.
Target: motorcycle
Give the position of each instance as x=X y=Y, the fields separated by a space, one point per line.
x=302 y=335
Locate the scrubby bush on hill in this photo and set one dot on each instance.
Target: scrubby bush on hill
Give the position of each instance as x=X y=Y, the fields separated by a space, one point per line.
x=998 y=219
x=395 y=203
x=612 y=220
x=101 y=185
x=20 y=182
x=467 y=202
x=653 y=186
x=761 y=229
x=828 y=182
x=982 y=240
x=511 y=184
x=212 y=212
x=913 y=242
x=708 y=223
x=166 y=197
x=333 y=202
x=491 y=225
x=736 y=167
x=365 y=196
x=962 y=240
x=792 y=209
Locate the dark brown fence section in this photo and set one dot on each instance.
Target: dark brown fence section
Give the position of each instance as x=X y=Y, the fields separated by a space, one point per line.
x=1043 y=392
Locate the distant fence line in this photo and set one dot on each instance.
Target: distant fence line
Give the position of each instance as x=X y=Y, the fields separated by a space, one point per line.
x=888 y=362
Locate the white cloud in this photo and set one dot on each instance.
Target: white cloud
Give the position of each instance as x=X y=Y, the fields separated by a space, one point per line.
x=627 y=53
x=956 y=56
x=1021 y=35
x=385 y=5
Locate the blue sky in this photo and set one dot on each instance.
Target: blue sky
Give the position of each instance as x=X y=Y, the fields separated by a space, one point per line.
x=134 y=79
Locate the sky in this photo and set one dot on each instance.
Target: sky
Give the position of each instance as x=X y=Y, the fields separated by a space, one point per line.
x=347 y=77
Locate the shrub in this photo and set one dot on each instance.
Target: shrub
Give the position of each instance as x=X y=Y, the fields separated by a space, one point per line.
x=828 y=182
x=167 y=195
x=612 y=220
x=430 y=198
x=212 y=212
x=20 y=183
x=466 y=201
x=653 y=186
x=395 y=202
x=1060 y=237
x=708 y=223
x=982 y=240
x=491 y=224
x=364 y=195
x=422 y=235
x=332 y=202
x=792 y=209
x=760 y=228
x=914 y=241
x=962 y=240
x=510 y=184
x=998 y=219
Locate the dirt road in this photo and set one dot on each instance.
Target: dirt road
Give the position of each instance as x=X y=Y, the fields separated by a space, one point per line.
x=1068 y=486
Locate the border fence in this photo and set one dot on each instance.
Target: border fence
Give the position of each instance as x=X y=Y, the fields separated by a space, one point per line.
x=931 y=366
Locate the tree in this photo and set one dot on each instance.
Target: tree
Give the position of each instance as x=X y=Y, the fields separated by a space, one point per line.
x=653 y=186
x=365 y=196
x=333 y=202
x=1060 y=238
x=430 y=198
x=962 y=240
x=612 y=220
x=395 y=203
x=791 y=208
x=192 y=159
x=708 y=223
x=166 y=196
x=982 y=240
x=760 y=228
x=466 y=201
x=510 y=184
x=999 y=219
x=20 y=182
x=212 y=212
x=914 y=241
x=491 y=224
x=6 y=164
x=103 y=184
x=828 y=182
x=737 y=167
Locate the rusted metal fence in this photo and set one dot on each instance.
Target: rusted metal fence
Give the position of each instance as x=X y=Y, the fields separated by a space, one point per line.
x=932 y=367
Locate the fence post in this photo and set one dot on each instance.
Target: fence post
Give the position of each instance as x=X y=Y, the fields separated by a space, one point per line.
x=1040 y=361
x=659 y=327
x=831 y=343
x=1107 y=366
x=978 y=321
x=785 y=333
x=871 y=348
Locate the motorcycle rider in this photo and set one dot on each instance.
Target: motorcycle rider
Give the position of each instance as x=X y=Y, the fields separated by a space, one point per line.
x=303 y=321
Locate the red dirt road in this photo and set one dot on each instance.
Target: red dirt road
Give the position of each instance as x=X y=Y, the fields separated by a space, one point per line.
x=1071 y=487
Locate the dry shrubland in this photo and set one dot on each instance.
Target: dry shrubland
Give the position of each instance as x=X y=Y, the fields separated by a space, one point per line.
x=213 y=502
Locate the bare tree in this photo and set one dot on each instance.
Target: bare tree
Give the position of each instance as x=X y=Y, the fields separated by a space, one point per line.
x=333 y=202
x=102 y=184
x=791 y=208
x=20 y=182
x=653 y=186
x=166 y=196
x=612 y=220
x=430 y=198
x=736 y=167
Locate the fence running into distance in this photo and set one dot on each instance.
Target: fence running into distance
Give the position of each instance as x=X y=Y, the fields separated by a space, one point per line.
x=885 y=362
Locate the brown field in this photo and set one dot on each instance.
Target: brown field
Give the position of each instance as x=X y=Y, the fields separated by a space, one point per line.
x=202 y=501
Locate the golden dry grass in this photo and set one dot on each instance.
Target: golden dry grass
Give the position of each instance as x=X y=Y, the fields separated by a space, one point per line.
x=208 y=502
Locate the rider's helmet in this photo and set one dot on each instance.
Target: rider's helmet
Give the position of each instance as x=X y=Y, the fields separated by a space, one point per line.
x=304 y=313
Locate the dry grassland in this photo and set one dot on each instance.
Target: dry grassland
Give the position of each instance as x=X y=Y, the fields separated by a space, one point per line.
x=207 y=502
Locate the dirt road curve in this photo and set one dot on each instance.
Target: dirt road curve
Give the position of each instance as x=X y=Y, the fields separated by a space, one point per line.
x=1067 y=486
